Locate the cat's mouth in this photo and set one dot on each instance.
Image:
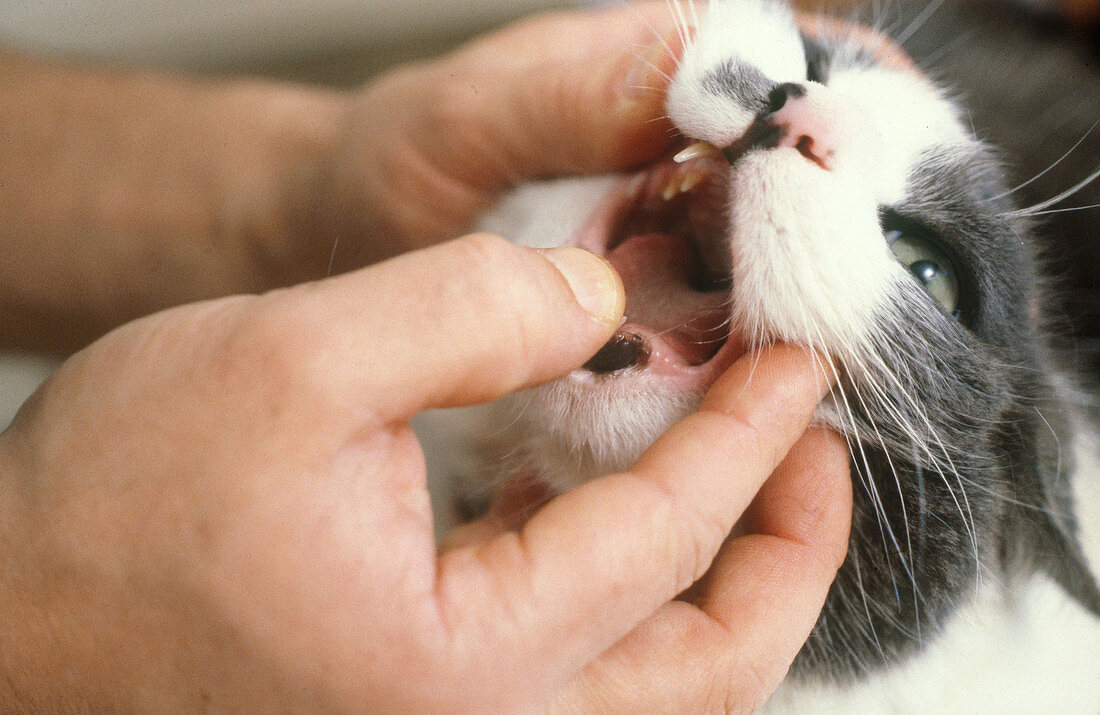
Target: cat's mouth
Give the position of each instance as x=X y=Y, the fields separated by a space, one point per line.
x=665 y=230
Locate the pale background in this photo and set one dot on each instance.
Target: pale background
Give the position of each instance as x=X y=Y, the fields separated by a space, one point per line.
x=339 y=42
x=309 y=36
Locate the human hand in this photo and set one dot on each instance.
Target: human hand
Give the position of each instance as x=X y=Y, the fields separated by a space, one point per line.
x=223 y=506
x=171 y=189
x=427 y=147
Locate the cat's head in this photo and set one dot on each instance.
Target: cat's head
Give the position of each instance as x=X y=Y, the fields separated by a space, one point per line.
x=828 y=194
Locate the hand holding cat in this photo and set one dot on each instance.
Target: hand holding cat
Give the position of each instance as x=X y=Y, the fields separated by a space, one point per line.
x=240 y=517
x=427 y=148
x=223 y=505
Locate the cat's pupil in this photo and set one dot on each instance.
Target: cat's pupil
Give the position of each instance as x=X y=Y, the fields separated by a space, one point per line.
x=925 y=271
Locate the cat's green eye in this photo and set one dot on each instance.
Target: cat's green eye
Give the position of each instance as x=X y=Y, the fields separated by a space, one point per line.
x=929 y=265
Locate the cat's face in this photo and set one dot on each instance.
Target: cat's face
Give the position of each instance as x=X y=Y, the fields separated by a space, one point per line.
x=837 y=200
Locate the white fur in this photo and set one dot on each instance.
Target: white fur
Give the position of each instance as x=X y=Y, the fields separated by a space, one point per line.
x=759 y=32
x=1085 y=489
x=809 y=261
x=577 y=433
x=545 y=214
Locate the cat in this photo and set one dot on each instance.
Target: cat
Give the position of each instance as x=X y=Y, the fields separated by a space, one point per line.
x=827 y=193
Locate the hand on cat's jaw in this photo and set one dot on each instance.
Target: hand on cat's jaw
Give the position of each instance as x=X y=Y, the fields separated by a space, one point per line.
x=424 y=149
x=222 y=506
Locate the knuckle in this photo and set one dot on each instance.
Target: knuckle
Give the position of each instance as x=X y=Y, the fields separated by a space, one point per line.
x=743 y=428
x=693 y=533
x=749 y=688
x=275 y=347
x=579 y=103
x=709 y=530
x=453 y=104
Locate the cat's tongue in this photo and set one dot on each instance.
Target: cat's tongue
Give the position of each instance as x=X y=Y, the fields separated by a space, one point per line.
x=658 y=271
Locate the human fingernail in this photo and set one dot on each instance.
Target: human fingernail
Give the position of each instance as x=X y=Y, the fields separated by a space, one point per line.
x=595 y=284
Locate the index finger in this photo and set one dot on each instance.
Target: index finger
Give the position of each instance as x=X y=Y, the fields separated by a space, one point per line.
x=596 y=561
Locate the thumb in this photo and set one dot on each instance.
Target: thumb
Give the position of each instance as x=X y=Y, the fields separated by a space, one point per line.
x=460 y=323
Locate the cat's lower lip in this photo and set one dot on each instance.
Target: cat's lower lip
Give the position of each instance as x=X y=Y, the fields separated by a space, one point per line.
x=667 y=357
x=665 y=363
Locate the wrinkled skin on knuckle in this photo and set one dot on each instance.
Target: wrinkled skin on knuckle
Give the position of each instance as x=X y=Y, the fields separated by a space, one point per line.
x=457 y=125
x=752 y=436
x=707 y=533
x=579 y=103
x=741 y=685
x=687 y=547
x=710 y=526
x=388 y=178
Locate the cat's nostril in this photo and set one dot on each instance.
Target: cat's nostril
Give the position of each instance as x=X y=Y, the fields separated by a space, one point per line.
x=624 y=350
x=810 y=119
x=779 y=96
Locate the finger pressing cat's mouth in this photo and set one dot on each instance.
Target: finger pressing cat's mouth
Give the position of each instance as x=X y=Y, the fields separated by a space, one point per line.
x=665 y=230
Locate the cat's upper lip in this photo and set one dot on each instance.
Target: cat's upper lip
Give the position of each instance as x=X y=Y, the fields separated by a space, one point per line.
x=664 y=229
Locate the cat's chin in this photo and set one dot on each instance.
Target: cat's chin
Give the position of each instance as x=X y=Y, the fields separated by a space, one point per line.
x=575 y=429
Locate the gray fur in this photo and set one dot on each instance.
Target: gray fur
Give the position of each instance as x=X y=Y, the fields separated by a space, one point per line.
x=741 y=82
x=996 y=502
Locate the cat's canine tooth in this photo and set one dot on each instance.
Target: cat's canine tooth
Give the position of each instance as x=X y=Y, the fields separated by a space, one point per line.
x=696 y=151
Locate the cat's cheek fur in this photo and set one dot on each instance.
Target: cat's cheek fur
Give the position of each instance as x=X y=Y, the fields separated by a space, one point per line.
x=908 y=114
x=545 y=214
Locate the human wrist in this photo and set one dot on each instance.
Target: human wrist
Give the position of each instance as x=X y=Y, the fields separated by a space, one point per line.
x=131 y=191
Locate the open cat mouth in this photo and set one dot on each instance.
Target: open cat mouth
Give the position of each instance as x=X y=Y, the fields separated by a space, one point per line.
x=665 y=231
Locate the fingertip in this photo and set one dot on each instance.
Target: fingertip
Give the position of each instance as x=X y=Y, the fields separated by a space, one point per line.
x=800 y=368
x=775 y=389
x=595 y=284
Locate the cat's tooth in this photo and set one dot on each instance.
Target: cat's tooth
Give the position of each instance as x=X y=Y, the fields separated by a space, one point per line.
x=691 y=180
x=673 y=187
x=696 y=151
x=680 y=182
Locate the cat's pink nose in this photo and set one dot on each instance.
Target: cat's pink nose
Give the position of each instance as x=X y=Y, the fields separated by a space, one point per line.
x=809 y=118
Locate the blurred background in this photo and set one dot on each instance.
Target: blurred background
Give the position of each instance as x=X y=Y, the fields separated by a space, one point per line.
x=333 y=41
